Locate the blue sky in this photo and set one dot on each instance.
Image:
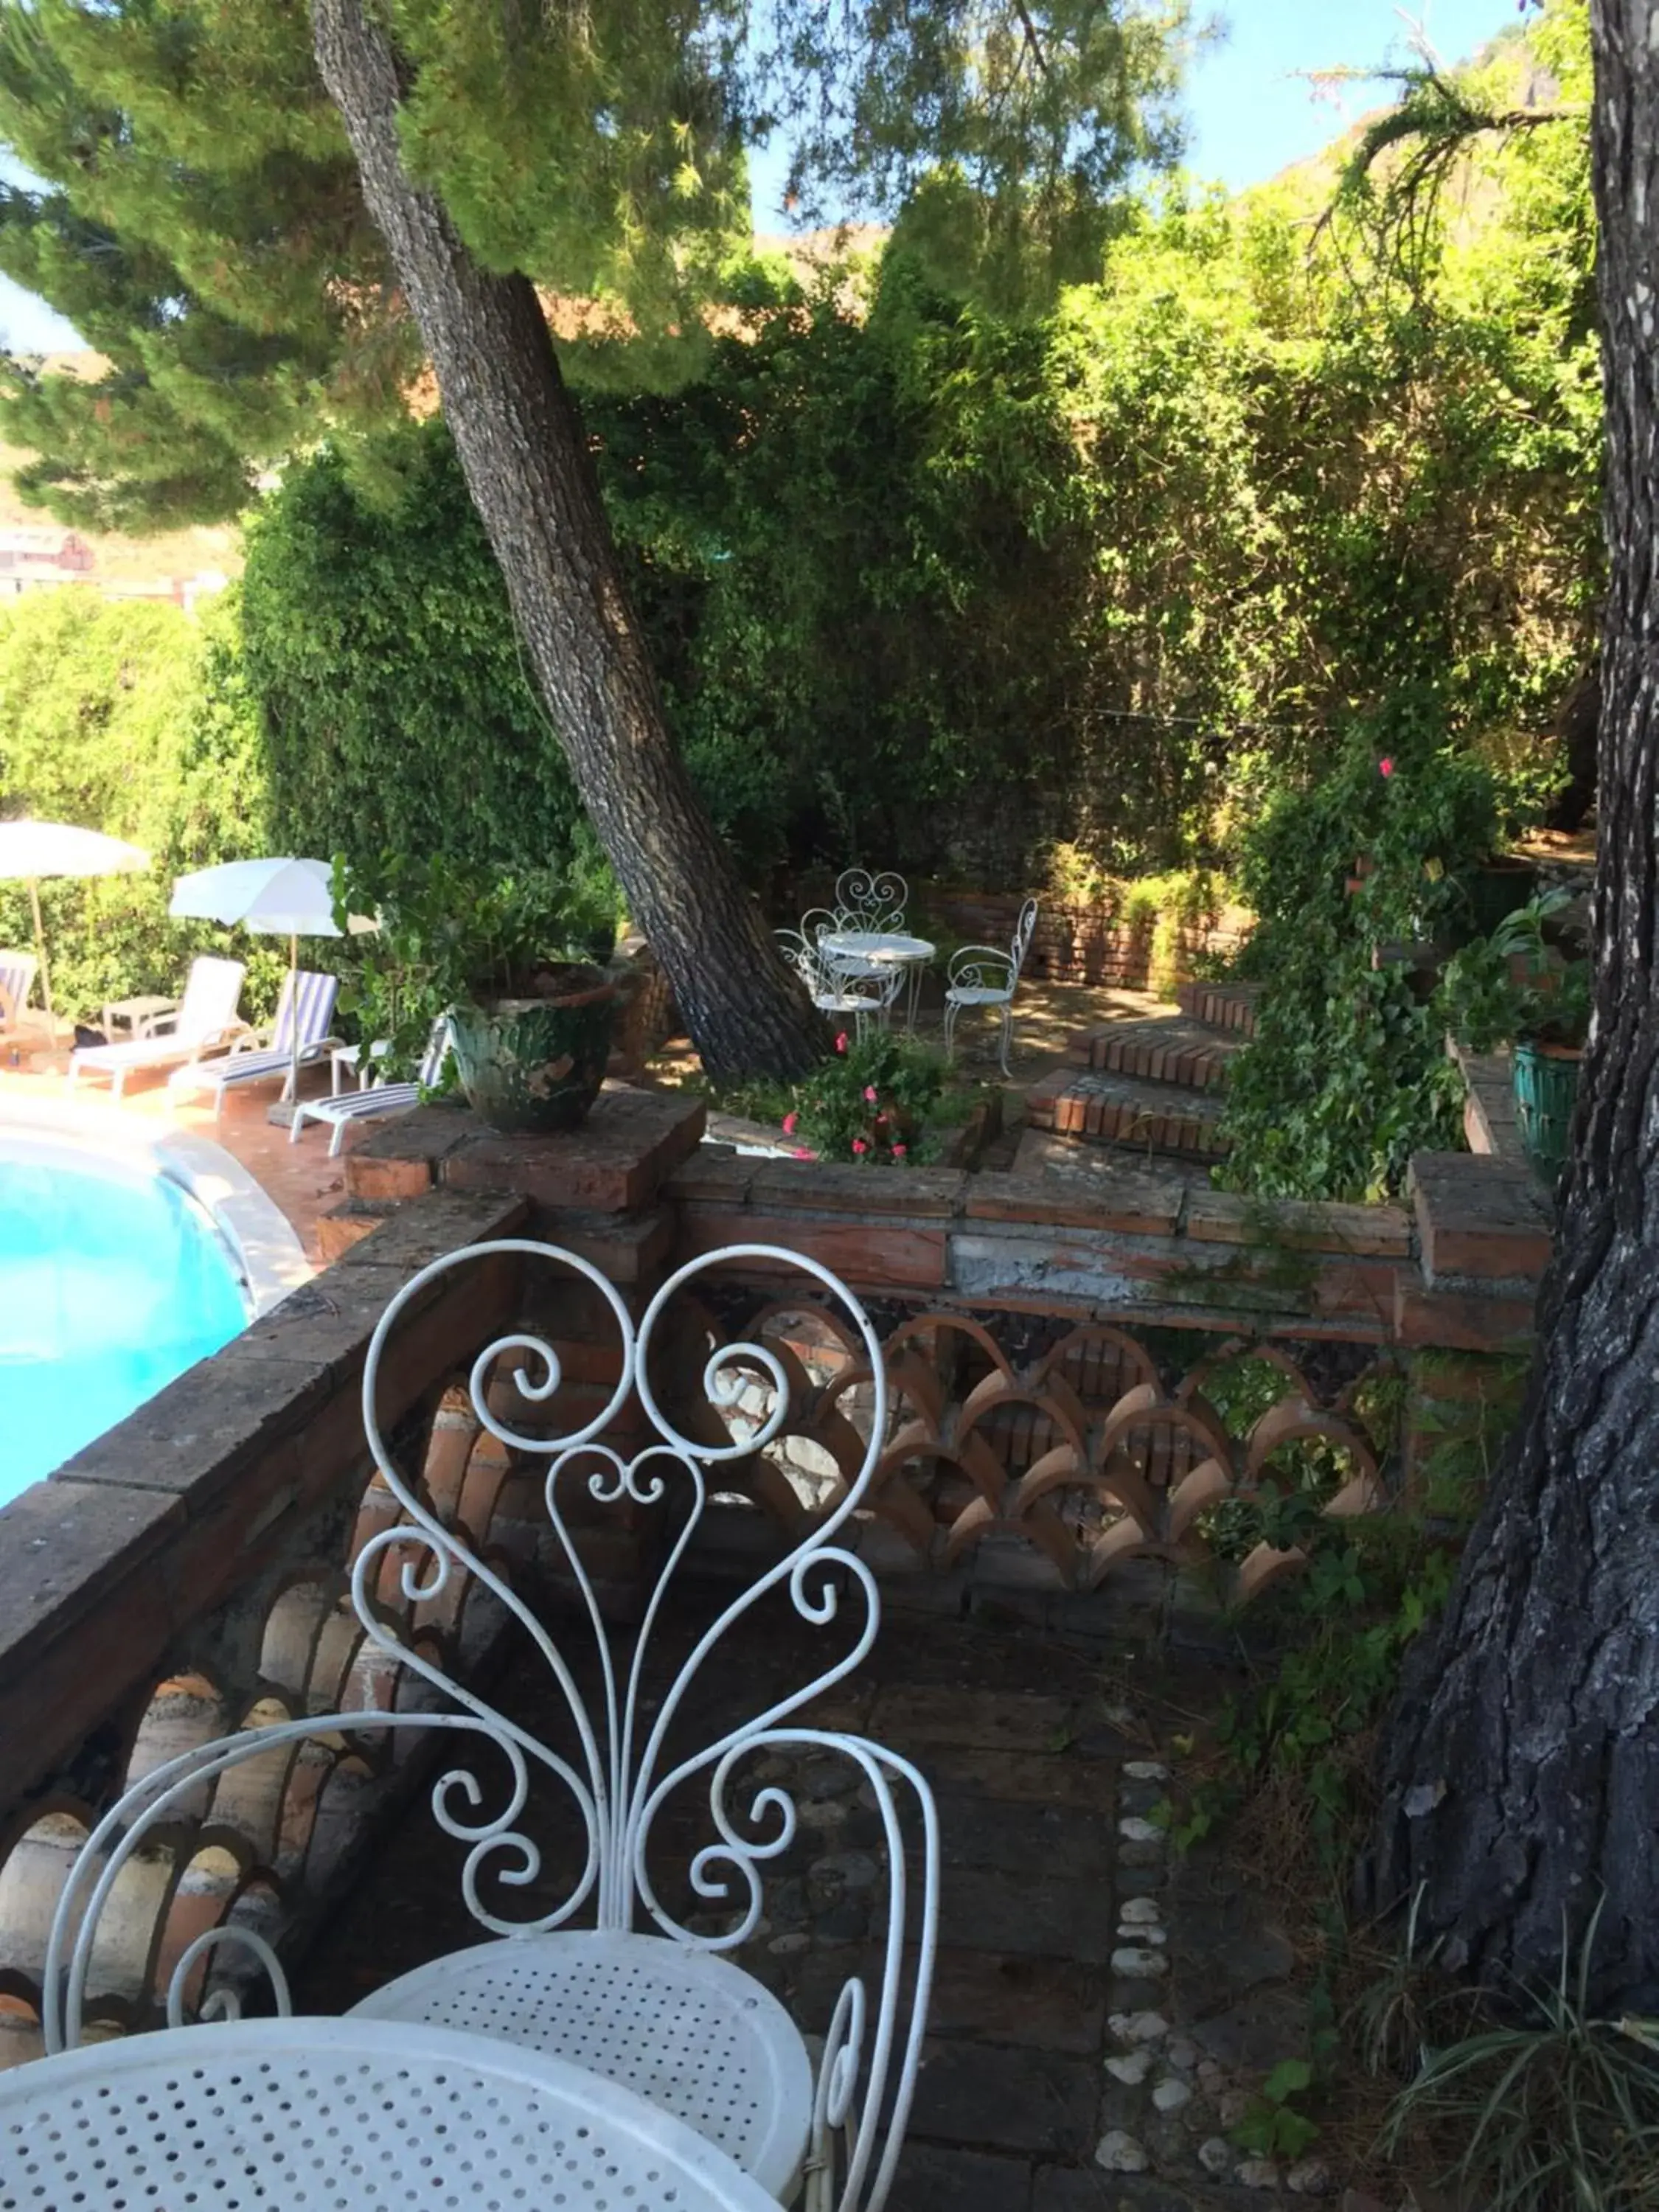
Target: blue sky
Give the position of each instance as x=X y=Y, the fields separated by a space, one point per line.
x=1251 y=114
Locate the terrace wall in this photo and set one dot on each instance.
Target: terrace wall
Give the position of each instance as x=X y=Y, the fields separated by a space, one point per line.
x=1053 y=1446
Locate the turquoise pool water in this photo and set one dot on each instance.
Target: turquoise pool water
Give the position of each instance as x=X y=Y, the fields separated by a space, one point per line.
x=113 y=1280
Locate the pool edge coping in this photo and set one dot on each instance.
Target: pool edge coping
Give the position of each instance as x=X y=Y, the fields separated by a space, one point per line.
x=262 y=1241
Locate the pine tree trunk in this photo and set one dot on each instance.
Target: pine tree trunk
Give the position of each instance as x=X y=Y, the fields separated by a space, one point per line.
x=527 y=463
x=1521 y=1764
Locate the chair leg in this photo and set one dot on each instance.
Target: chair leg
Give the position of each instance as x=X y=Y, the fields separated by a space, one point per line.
x=952 y=1009
x=1007 y=1034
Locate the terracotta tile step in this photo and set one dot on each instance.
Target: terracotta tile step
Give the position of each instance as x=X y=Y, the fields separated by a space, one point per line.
x=1168 y=1048
x=1119 y=1109
x=1221 y=1005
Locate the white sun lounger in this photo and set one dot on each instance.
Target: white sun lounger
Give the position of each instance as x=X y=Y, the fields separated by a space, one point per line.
x=307 y=1005
x=17 y=972
x=350 y=1106
x=206 y=1020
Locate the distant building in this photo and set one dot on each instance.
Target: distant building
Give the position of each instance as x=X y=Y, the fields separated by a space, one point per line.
x=48 y=554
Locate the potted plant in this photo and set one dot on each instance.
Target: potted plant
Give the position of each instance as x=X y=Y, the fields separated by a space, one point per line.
x=531 y=1011
x=1516 y=986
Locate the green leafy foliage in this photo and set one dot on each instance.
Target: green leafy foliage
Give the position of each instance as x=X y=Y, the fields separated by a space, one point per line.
x=394 y=707
x=1516 y=986
x=1347 y=1074
x=450 y=932
x=1271 y=2127
x=131 y=719
x=204 y=221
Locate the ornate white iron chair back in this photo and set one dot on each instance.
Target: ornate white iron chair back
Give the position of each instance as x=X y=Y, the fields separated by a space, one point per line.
x=860 y=991
x=666 y=2013
x=872 y=902
x=985 y=975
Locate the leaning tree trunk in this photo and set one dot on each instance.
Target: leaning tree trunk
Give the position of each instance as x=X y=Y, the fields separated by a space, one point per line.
x=1521 y=1766
x=527 y=463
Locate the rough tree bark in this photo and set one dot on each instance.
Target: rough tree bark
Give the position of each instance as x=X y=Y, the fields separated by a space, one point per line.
x=1521 y=1764
x=527 y=467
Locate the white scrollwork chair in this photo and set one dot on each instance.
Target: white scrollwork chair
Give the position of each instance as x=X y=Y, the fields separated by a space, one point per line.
x=985 y=975
x=860 y=992
x=663 y=2012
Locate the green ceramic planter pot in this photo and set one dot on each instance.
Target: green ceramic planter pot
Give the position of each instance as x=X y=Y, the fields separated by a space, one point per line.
x=535 y=1064
x=1494 y=892
x=1546 y=1092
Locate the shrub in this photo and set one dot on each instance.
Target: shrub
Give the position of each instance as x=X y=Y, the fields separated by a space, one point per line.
x=870 y=1102
x=131 y=718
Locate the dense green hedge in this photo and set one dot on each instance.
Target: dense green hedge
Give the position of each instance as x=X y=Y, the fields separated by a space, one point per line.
x=394 y=710
x=129 y=717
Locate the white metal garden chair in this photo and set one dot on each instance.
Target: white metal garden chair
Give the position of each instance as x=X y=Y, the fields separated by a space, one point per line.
x=875 y=902
x=664 y=2011
x=985 y=975
x=860 y=995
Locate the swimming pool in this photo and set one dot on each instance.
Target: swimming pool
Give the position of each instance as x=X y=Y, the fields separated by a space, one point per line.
x=113 y=1280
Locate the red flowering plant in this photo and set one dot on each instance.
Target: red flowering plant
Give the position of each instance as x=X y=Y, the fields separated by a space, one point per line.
x=870 y=1101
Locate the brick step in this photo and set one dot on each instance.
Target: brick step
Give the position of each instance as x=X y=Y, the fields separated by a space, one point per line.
x=1168 y=1048
x=1121 y=1109
x=349 y=1223
x=1220 y=1005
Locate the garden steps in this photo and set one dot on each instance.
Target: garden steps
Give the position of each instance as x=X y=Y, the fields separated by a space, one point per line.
x=1220 y=1005
x=1148 y=1117
x=1168 y=1049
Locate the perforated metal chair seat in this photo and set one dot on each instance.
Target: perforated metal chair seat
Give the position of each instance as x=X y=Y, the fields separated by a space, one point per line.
x=684 y=2029
x=340 y=2116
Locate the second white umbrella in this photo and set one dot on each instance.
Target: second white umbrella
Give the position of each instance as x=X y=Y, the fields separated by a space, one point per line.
x=278 y=898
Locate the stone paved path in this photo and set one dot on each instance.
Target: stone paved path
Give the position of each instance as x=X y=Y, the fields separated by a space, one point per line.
x=1093 y=1998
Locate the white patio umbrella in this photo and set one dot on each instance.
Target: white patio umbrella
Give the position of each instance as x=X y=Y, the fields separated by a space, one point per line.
x=279 y=897
x=29 y=850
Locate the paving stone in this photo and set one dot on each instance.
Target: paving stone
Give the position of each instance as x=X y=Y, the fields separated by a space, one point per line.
x=1035 y=1779
x=1044 y=2004
x=982 y=1907
x=984 y=2096
x=978 y=1720
x=1253 y=2036
x=1118 y=2152
x=1057 y=1841
x=930 y=2179
x=1062 y=2189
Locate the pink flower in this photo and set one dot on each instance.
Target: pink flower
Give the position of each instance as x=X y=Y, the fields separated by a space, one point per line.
x=791 y=1122
x=1385 y=766
x=869 y=1094
x=801 y=1153
x=840 y=1041
x=899 y=1151
x=859 y=1146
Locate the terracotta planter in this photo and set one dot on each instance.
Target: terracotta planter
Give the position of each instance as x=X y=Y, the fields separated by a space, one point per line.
x=534 y=1064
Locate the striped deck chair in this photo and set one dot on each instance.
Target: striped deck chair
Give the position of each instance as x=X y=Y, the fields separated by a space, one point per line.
x=339 y=1112
x=204 y=1020
x=17 y=972
x=303 y=1014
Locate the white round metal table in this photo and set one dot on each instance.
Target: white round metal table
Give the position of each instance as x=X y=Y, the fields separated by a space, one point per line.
x=340 y=2116
x=883 y=948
